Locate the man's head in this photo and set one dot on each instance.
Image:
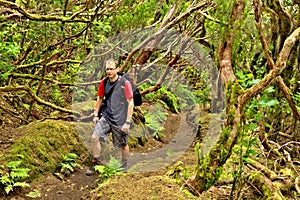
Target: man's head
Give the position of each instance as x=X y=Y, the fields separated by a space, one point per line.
x=111 y=68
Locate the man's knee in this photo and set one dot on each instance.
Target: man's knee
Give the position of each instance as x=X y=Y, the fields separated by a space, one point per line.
x=125 y=148
x=95 y=139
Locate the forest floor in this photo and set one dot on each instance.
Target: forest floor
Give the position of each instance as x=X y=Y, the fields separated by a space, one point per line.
x=131 y=185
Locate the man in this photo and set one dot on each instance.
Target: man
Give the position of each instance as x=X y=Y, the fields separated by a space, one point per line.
x=116 y=116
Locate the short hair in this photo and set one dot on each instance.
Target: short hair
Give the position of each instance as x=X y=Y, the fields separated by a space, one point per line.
x=110 y=62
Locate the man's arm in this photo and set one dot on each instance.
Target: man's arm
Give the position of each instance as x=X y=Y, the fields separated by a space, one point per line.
x=98 y=105
x=126 y=126
x=130 y=109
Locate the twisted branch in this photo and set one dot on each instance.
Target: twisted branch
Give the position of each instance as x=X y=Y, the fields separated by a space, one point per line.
x=37 y=99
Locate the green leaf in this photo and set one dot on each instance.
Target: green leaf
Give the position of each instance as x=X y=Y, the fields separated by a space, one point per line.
x=67 y=166
x=13 y=164
x=21 y=184
x=34 y=194
x=27 y=106
x=268 y=125
x=252 y=142
x=19 y=173
x=249 y=76
x=253 y=126
x=114 y=163
x=245 y=156
x=252 y=82
x=253 y=152
x=270 y=89
x=272 y=102
x=100 y=168
x=8 y=189
x=5 y=180
x=268 y=103
x=72 y=155
x=59 y=176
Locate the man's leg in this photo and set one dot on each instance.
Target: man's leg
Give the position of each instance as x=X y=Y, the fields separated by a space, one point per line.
x=120 y=140
x=96 y=147
x=100 y=133
x=125 y=155
x=125 y=152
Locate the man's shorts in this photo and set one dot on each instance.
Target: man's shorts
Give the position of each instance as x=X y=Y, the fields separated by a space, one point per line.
x=103 y=128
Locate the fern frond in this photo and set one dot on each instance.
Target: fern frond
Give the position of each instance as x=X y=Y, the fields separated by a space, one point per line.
x=8 y=189
x=19 y=173
x=5 y=180
x=21 y=184
x=34 y=194
x=114 y=164
x=14 y=164
x=66 y=166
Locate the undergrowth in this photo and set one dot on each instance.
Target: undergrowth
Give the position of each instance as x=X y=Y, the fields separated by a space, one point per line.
x=12 y=176
x=113 y=168
x=155 y=118
x=67 y=166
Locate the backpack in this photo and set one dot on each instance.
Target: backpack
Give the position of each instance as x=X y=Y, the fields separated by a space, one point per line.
x=137 y=97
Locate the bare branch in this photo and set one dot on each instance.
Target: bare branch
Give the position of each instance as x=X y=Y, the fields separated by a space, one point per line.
x=162 y=30
x=227 y=73
x=40 y=62
x=36 y=98
x=161 y=80
x=105 y=10
x=297 y=184
x=34 y=17
x=259 y=167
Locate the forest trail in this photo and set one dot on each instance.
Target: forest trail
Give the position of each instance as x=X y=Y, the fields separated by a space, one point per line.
x=149 y=160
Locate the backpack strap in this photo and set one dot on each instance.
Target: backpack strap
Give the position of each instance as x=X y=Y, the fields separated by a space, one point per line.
x=110 y=91
x=117 y=85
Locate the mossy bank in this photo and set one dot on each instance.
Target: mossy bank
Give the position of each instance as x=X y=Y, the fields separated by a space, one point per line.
x=42 y=145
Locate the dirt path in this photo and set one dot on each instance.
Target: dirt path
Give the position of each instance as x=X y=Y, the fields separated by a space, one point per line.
x=72 y=188
x=143 y=181
x=179 y=141
x=150 y=158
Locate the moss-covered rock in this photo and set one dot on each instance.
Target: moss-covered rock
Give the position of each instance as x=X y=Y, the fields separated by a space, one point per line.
x=43 y=145
x=138 y=135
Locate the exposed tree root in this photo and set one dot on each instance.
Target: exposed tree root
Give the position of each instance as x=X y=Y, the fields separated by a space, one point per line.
x=269 y=189
x=266 y=171
x=271 y=183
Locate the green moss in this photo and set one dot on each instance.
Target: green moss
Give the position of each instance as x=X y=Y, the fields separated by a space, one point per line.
x=137 y=136
x=154 y=187
x=269 y=193
x=43 y=145
x=84 y=107
x=206 y=174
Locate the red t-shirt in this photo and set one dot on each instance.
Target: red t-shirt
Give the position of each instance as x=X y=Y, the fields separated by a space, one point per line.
x=127 y=89
x=116 y=105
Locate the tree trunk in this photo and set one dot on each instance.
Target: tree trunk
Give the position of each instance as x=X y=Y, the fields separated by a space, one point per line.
x=210 y=166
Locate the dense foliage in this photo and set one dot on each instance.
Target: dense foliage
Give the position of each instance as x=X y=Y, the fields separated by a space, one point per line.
x=48 y=47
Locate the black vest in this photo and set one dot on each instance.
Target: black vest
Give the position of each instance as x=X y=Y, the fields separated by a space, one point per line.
x=117 y=105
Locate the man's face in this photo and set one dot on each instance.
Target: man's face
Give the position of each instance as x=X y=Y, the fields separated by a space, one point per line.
x=111 y=69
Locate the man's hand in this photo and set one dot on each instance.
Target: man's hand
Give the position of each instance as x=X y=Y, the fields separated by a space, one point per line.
x=95 y=119
x=125 y=127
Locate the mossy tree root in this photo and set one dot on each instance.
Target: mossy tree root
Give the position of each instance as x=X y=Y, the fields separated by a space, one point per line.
x=269 y=189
